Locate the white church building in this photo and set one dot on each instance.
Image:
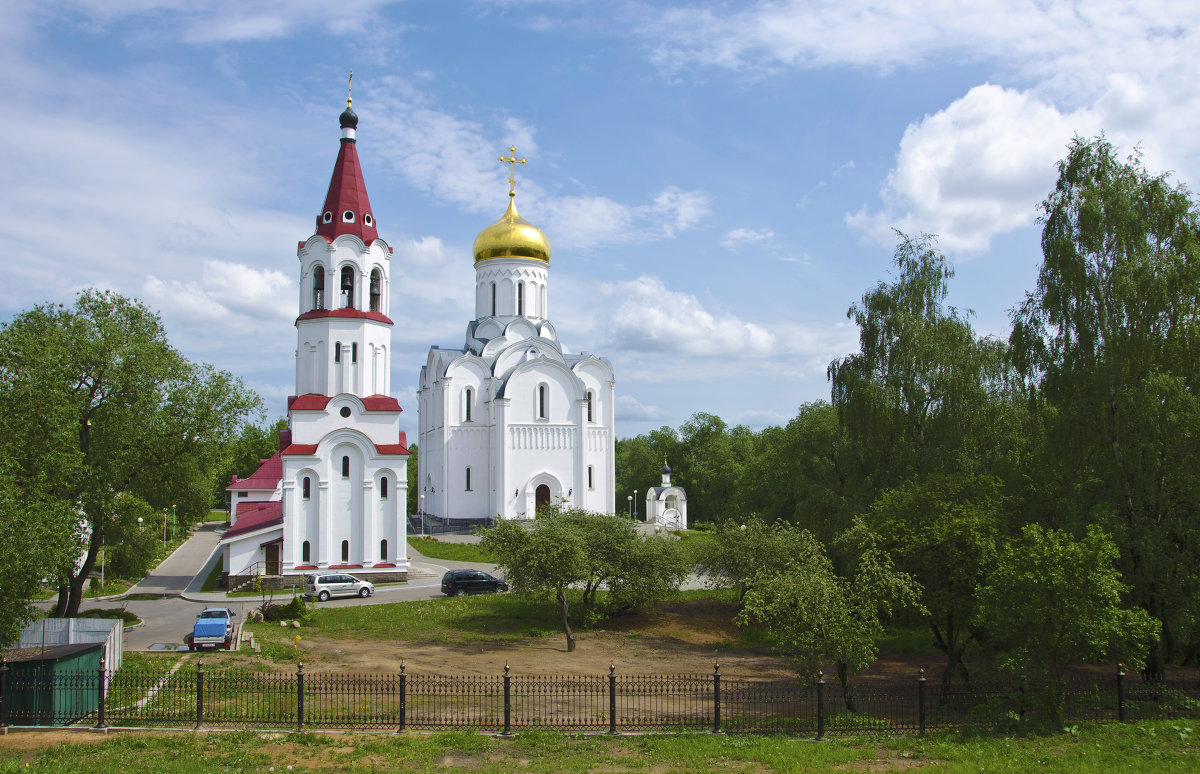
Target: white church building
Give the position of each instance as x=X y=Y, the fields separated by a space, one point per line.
x=510 y=421
x=334 y=495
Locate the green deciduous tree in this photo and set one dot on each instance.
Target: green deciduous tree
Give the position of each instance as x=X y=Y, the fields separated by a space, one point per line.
x=1109 y=346
x=1053 y=601
x=814 y=615
x=946 y=531
x=96 y=404
x=39 y=534
x=743 y=553
x=539 y=562
x=913 y=392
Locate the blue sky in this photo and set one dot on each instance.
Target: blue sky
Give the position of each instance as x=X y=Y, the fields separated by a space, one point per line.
x=719 y=181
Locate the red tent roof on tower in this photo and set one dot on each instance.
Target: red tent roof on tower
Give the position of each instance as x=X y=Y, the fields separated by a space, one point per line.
x=347 y=209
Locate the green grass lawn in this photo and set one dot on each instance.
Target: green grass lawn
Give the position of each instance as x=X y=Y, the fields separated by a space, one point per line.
x=1158 y=746
x=456 y=552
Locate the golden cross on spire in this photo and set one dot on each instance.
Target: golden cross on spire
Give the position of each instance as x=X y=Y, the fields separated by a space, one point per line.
x=349 y=88
x=512 y=161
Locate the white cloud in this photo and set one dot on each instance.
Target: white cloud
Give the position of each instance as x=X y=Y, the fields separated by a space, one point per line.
x=651 y=318
x=210 y=21
x=973 y=170
x=744 y=236
x=1128 y=69
x=629 y=409
x=681 y=209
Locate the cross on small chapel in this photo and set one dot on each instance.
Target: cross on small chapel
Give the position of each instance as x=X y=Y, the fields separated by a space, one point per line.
x=512 y=161
x=349 y=88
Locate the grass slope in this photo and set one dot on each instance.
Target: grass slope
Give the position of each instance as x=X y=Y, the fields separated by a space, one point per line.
x=455 y=552
x=1160 y=746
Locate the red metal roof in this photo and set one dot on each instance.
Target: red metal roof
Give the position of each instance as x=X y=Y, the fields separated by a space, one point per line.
x=347 y=191
x=268 y=515
x=310 y=401
x=266 y=477
x=380 y=403
x=357 y=314
x=313 y=402
x=300 y=449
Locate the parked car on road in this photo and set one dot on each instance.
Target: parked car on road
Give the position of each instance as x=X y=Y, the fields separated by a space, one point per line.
x=323 y=585
x=456 y=583
x=213 y=629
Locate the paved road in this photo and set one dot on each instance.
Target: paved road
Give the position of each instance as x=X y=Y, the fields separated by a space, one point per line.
x=181 y=575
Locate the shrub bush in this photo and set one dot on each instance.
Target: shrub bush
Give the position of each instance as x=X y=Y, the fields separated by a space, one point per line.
x=296 y=610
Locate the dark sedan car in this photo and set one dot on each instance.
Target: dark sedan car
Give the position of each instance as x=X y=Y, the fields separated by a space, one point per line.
x=459 y=582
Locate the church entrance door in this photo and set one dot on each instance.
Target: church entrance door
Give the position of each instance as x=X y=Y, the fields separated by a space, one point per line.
x=541 y=497
x=272 y=559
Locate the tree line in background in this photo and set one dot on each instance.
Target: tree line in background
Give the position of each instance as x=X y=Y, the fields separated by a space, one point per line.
x=1041 y=490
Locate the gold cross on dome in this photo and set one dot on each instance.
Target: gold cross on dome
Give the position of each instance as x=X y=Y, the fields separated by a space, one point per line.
x=512 y=161
x=349 y=88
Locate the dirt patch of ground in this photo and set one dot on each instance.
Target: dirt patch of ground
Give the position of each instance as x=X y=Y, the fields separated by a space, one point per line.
x=629 y=652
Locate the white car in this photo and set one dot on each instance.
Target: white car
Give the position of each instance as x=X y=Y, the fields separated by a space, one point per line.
x=324 y=585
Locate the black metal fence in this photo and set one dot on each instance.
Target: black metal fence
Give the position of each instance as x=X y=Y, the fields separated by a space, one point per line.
x=504 y=703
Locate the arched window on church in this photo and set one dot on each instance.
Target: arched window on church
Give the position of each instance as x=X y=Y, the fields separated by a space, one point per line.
x=337 y=351
x=383 y=488
x=345 y=467
x=354 y=352
x=345 y=551
x=347 y=286
x=318 y=288
x=590 y=399
x=468 y=399
x=543 y=402
x=383 y=550
x=306 y=488
x=468 y=479
x=520 y=298
x=305 y=553
x=493 y=299
x=376 y=290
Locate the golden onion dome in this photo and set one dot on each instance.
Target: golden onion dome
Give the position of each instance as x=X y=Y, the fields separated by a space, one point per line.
x=512 y=237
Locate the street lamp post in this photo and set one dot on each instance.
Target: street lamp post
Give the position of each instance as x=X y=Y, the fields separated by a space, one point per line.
x=174 y=521
x=635 y=513
x=421 y=513
x=629 y=499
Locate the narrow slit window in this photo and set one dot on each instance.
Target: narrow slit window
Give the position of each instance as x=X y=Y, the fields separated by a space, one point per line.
x=337 y=351
x=306 y=487
x=591 y=482
x=541 y=401
x=468 y=479
x=354 y=352
x=521 y=298
x=345 y=551
x=468 y=399
x=383 y=550
x=493 y=299
x=383 y=488
x=305 y=553
x=345 y=467
x=589 y=406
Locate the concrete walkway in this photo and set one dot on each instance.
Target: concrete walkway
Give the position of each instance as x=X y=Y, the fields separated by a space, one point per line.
x=179 y=570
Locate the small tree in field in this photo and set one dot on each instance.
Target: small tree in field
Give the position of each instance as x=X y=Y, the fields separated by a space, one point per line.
x=539 y=562
x=815 y=616
x=743 y=552
x=1053 y=601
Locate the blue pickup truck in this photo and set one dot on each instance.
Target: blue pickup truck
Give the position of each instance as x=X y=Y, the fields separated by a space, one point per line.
x=213 y=629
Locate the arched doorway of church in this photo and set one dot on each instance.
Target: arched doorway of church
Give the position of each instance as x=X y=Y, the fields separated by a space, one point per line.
x=541 y=498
